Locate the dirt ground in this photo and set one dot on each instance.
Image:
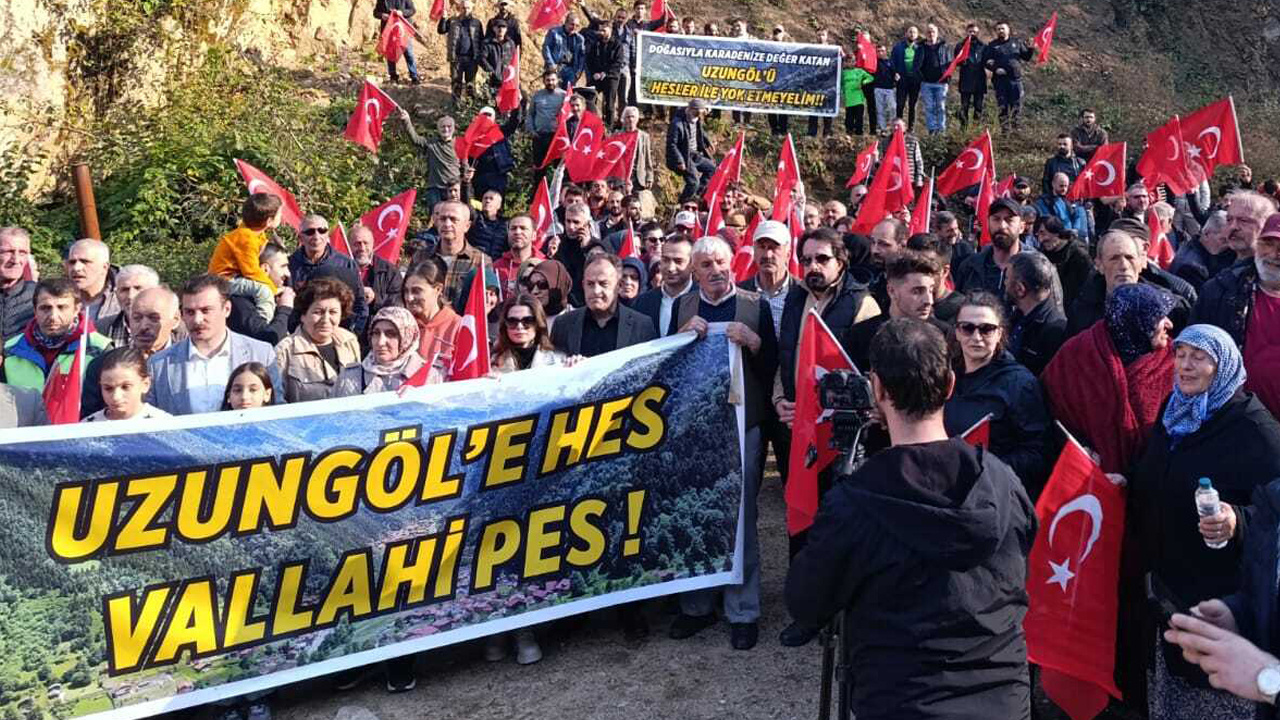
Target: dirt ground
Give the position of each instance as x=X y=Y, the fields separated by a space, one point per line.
x=590 y=671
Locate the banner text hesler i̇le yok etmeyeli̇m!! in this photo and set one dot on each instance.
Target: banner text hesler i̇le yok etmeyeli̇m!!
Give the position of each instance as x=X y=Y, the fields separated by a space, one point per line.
x=164 y=564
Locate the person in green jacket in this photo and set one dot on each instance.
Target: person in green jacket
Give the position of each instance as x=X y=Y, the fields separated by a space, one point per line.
x=51 y=338
x=853 y=80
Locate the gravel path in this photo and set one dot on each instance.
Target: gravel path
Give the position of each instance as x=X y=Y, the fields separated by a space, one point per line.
x=589 y=671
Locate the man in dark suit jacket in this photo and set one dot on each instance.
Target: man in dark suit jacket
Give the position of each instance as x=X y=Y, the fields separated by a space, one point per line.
x=604 y=324
x=676 y=282
x=244 y=317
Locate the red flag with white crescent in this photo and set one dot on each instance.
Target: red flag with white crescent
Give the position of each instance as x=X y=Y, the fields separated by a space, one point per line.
x=865 y=54
x=890 y=190
x=373 y=107
x=560 y=140
x=744 y=259
x=1004 y=188
x=480 y=135
x=628 y=249
x=786 y=180
x=396 y=36
x=1165 y=159
x=509 y=94
x=547 y=13
x=968 y=167
x=1073 y=577
x=1044 y=39
x=923 y=210
x=862 y=166
x=543 y=214
x=1159 y=248
x=1212 y=136
x=389 y=222
x=258 y=181
x=959 y=58
x=580 y=158
x=616 y=156
x=811 y=452
x=728 y=171
x=471 y=342
x=1103 y=175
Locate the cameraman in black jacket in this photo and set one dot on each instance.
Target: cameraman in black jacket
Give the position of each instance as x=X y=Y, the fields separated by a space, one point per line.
x=1004 y=58
x=926 y=546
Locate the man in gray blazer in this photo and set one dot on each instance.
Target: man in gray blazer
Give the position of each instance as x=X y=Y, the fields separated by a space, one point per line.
x=20 y=407
x=191 y=376
x=604 y=324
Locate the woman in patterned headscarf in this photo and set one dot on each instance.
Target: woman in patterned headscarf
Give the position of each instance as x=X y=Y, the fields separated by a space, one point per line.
x=392 y=358
x=1209 y=428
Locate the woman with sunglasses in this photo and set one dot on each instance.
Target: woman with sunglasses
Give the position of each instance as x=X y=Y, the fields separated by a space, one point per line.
x=549 y=284
x=990 y=382
x=524 y=340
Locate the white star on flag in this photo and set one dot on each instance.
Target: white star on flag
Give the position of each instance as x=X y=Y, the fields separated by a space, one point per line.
x=1061 y=574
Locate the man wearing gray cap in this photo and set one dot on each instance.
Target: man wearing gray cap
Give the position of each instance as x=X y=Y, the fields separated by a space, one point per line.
x=687 y=149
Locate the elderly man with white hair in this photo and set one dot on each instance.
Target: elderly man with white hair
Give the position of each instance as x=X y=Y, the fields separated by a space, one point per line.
x=155 y=323
x=130 y=280
x=17 y=294
x=88 y=267
x=748 y=322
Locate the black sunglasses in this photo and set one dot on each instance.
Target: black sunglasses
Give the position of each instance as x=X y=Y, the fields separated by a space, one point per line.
x=527 y=321
x=819 y=259
x=968 y=328
x=315 y=231
x=536 y=285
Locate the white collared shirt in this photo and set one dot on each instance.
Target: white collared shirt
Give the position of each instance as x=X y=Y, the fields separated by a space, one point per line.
x=207 y=377
x=668 y=303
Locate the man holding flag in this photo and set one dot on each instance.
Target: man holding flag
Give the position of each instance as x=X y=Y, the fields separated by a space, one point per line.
x=384 y=10
x=925 y=546
x=51 y=339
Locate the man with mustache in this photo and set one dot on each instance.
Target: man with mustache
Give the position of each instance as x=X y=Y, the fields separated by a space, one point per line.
x=843 y=302
x=51 y=337
x=1244 y=300
x=16 y=294
x=155 y=324
x=985 y=270
x=748 y=323
x=88 y=267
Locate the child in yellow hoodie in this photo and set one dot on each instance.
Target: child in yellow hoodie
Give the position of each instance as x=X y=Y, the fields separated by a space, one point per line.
x=236 y=256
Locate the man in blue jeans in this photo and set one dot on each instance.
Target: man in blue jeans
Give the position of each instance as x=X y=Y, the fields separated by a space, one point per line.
x=933 y=57
x=382 y=10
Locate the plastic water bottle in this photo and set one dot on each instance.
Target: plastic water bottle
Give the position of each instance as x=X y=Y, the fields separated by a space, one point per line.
x=1207 y=505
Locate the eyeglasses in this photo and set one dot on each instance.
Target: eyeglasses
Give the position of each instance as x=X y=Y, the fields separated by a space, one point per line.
x=967 y=328
x=537 y=285
x=816 y=259
x=526 y=322
x=315 y=231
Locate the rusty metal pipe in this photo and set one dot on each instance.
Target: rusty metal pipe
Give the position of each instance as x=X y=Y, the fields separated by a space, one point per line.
x=83 y=180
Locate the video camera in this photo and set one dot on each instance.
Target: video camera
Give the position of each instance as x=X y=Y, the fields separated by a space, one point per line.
x=846 y=397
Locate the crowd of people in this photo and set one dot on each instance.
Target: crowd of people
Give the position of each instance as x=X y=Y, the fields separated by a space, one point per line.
x=1165 y=375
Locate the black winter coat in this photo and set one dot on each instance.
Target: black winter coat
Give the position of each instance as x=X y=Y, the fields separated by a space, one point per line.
x=681 y=142
x=1194 y=264
x=1074 y=267
x=933 y=61
x=926 y=546
x=838 y=315
x=1227 y=300
x=387 y=284
x=1238 y=449
x=1254 y=604
x=16 y=308
x=1035 y=338
x=609 y=58
x=1007 y=54
x=1091 y=302
x=383 y=8
x=1019 y=418
x=973 y=76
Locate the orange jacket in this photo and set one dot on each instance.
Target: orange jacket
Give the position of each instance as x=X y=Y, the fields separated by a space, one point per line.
x=237 y=256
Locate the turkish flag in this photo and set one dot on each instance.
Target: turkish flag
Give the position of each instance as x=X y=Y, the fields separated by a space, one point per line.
x=1073 y=575
x=389 y=223
x=471 y=343
x=795 y=223
x=547 y=13
x=728 y=171
x=744 y=260
x=1212 y=136
x=1103 y=175
x=715 y=218
x=986 y=196
x=811 y=452
x=1004 y=188
x=1044 y=39
x=615 y=157
x=396 y=36
x=865 y=55
x=437 y=10
x=959 y=58
x=481 y=135
x=628 y=249
x=862 y=166
x=1165 y=160
x=968 y=167
x=787 y=178
x=979 y=434
x=258 y=181
x=373 y=107
x=542 y=213
x=923 y=209
x=659 y=11
x=580 y=158
x=62 y=390
x=560 y=140
x=509 y=94
x=338 y=240
x=890 y=191
x=1158 y=246
x=29 y=270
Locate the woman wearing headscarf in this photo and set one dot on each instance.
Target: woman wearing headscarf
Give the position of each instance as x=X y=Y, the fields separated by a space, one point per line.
x=393 y=356
x=550 y=283
x=634 y=280
x=1209 y=428
x=1106 y=384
